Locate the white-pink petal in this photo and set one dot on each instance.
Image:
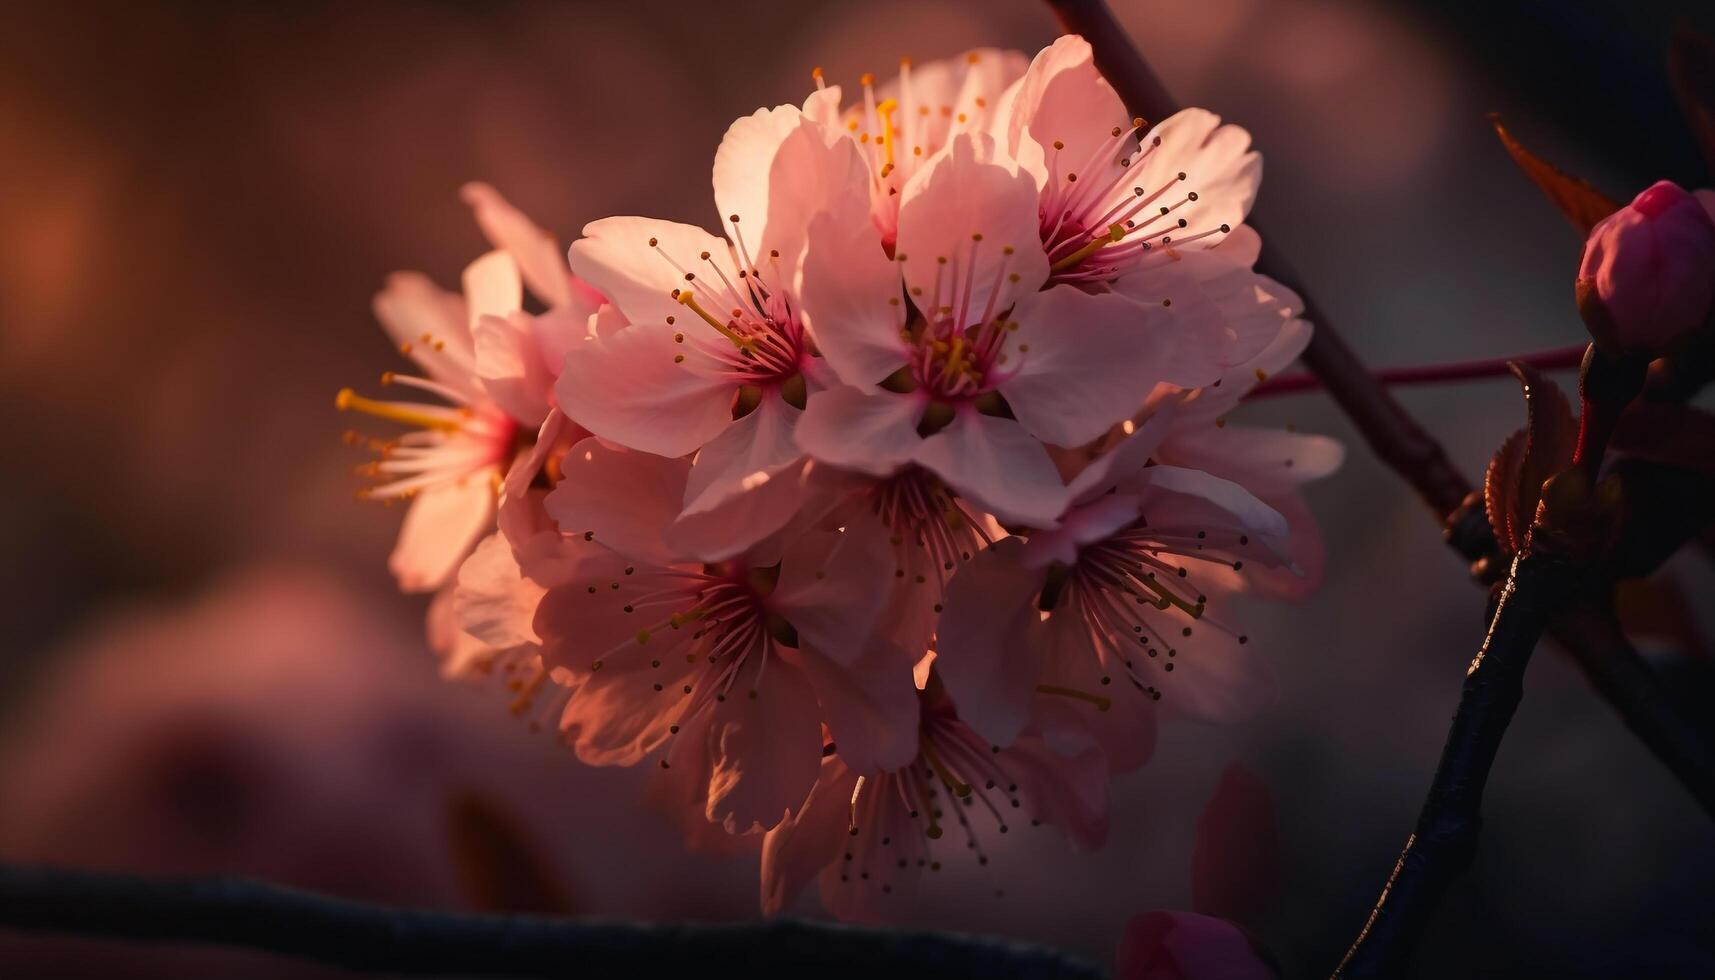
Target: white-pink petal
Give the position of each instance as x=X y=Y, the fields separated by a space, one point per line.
x=872 y=432
x=997 y=464
x=540 y=260
x=629 y=389
x=968 y=223
x=616 y=258
x=441 y=525
x=623 y=500
x=1083 y=361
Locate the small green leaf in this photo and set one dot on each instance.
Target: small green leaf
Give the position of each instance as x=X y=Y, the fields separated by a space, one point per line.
x=1582 y=203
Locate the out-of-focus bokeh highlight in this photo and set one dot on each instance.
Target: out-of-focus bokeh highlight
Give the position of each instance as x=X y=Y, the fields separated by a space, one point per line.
x=205 y=667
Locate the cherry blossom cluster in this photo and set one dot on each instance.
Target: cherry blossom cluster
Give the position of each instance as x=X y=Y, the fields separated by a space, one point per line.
x=881 y=520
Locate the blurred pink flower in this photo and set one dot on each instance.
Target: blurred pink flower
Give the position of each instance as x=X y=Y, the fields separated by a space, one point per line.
x=1184 y=946
x=491 y=365
x=1273 y=464
x=278 y=727
x=1648 y=274
x=867 y=838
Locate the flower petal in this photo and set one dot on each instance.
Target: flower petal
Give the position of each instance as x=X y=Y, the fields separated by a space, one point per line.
x=1217 y=161
x=1125 y=730
x=1068 y=791
x=990 y=643
x=538 y=254
x=766 y=750
x=996 y=463
x=615 y=256
x=427 y=323
x=777 y=170
x=624 y=500
x=870 y=432
x=492 y=287
x=1062 y=97
x=510 y=367
x=808 y=840
x=441 y=526
x=747 y=454
x=971 y=191
x=1084 y=361
x=834 y=586
x=870 y=707
x=1267 y=462
x=629 y=389
x=494 y=601
x=1178 y=500
x=1162 y=945
x=851 y=301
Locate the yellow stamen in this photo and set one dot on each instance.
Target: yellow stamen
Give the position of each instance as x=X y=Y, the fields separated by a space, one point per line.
x=687 y=299
x=1096 y=244
x=953 y=782
x=350 y=401
x=1169 y=599
x=885 y=111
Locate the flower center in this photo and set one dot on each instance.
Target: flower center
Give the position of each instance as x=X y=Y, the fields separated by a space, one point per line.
x=958 y=352
x=764 y=342
x=1094 y=228
x=932 y=530
x=1122 y=586
x=896 y=817
x=450 y=443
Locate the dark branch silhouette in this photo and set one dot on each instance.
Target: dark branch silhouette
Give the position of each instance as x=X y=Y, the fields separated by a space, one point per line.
x=358 y=936
x=1445 y=839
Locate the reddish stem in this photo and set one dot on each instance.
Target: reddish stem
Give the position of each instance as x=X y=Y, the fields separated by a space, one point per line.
x=1558 y=359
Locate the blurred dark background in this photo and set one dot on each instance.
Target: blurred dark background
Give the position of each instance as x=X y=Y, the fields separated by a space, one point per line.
x=197 y=201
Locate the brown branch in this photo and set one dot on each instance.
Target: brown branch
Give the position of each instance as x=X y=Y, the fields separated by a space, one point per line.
x=1445 y=840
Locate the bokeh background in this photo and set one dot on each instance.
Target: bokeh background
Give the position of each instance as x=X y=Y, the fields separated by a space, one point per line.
x=204 y=666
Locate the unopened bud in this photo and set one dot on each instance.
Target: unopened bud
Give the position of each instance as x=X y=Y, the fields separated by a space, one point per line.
x=1648 y=275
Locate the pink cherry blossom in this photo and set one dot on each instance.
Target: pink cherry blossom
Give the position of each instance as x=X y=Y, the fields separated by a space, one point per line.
x=1156 y=216
x=733 y=665
x=867 y=838
x=903 y=123
x=982 y=369
x=1116 y=583
x=490 y=368
x=718 y=359
x=1163 y=945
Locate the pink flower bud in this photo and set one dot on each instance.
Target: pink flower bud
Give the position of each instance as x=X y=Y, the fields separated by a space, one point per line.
x=1648 y=275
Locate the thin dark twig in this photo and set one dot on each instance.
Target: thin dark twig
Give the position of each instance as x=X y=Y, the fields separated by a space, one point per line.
x=1590 y=631
x=1558 y=359
x=239 y=912
x=1445 y=840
